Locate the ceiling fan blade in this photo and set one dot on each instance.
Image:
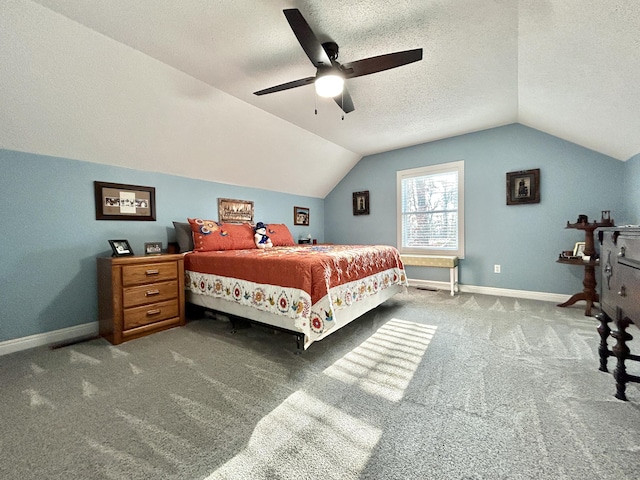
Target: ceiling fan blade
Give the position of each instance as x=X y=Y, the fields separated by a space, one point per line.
x=344 y=101
x=380 y=63
x=308 y=41
x=286 y=86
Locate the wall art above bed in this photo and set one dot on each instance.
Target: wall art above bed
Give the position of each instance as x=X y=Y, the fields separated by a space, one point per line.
x=361 y=203
x=300 y=216
x=235 y=211
x=117 y=201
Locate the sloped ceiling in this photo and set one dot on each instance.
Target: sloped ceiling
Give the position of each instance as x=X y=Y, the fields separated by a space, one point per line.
x=566 y=67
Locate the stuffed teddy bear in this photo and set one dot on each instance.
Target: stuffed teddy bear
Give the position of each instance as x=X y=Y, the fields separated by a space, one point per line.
x=261 y=238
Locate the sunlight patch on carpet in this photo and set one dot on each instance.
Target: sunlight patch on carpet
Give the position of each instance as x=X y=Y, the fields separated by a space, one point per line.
x=385 y=363
x=304 y=434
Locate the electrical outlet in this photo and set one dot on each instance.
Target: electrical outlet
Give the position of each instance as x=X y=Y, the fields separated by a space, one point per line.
x=496 y=269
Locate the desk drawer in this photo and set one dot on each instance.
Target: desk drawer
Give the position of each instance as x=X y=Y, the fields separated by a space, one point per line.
x=151 y=293
x=145 y=273
x=621 y=273
x=146 y=314
x=624 y=292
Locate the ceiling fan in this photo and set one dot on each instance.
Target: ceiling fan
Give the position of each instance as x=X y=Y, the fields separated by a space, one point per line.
x=330 y=75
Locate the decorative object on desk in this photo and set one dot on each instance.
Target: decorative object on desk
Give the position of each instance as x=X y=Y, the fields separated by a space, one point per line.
x=121 y=248
x=361 y=203
x=605 y=216
x=578 y=249
x=153 y=248
x=300 y=216
x=235 y=211
x=117 y=201
x=523 y=187
x=582 y=219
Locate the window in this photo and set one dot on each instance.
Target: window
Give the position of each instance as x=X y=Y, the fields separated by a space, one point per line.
x=431 y=210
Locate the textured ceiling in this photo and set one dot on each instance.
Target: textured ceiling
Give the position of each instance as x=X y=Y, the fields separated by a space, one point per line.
x=566 y=67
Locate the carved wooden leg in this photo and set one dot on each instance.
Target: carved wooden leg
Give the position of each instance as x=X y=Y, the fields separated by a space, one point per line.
x=604 y=330
x=621 y=351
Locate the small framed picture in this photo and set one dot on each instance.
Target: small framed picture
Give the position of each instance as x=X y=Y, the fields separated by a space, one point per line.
x=153 y=248
x=523 y=187
x=300 y=216
x=121 y=248
x=578 y=249
x=361 y=203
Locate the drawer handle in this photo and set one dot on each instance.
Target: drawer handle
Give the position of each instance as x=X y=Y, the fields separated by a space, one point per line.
x=151 y=293
x=623 y=291
x=608 y=270
x=155 y=311
x=622 y=252
x=152 y=272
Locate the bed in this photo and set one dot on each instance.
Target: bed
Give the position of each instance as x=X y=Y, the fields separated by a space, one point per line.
x=310 y=291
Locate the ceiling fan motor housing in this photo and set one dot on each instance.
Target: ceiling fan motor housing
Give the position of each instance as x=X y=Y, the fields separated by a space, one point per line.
x=332 y=50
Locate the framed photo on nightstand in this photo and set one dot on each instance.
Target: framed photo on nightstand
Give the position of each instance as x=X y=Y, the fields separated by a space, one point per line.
x=153 y=248
x=121 y=248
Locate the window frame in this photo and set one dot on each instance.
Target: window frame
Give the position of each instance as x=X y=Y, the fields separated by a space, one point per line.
x=458 y=167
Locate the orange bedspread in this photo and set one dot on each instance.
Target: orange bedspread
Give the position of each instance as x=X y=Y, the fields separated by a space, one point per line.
x=314 y=269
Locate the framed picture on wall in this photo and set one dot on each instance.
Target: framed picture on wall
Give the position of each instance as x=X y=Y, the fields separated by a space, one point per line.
x=300 y=216
x=361 y=203
x=235 y=211
x=117 y=201
x=523 y=187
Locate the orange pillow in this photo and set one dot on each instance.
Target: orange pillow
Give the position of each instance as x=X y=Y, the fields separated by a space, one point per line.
x=209 y=235
x=280 y=235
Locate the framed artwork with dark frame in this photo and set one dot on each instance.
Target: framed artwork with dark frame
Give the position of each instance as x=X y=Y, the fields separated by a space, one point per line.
x=361 y=203
x=523 y=187
x=300 y=216
x=121 y=248
x=235 y=211
x=153 y=248
x=117 y=201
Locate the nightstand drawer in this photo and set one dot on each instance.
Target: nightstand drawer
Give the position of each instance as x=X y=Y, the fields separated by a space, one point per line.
x=151 y=293
x=155 y=272
x=138 y=316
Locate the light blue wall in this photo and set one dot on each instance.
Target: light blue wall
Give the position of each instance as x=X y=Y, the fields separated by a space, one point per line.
x=50 y=238
x=524 y=239
x=632 y=190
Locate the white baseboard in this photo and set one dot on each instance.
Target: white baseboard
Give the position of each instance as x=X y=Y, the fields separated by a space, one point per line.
x=500 y=292
x=48 y=338
x=89 y=329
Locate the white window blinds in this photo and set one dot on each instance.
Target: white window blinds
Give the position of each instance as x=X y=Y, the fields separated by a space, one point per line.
x=430 y=213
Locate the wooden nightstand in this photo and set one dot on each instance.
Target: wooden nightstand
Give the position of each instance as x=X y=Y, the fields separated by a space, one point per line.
x=138 y=296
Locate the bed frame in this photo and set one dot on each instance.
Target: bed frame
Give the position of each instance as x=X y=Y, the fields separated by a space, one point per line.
x=237 y=312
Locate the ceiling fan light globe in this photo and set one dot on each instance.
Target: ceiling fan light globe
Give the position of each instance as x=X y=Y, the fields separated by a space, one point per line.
x=329 y=85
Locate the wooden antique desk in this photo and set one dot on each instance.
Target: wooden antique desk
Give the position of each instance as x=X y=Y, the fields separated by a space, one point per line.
x=619 y=299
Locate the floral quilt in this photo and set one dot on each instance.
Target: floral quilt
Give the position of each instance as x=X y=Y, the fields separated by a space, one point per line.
x=309 y=284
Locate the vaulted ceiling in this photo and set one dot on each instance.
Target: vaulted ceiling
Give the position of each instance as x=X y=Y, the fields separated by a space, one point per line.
x=570 y=68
